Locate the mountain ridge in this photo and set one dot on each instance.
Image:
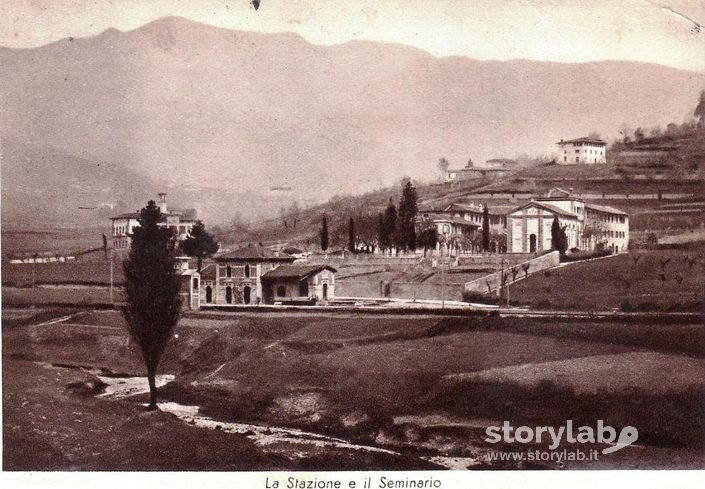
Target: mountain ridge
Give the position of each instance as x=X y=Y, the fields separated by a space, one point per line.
x=185 y=103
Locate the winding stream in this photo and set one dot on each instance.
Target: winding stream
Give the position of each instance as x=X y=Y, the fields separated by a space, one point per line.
x=273 y=438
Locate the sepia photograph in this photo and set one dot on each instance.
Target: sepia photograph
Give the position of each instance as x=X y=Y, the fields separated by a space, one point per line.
x=353 y=244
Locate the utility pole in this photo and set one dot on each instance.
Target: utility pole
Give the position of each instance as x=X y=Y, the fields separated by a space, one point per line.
x=443 y=287
x=111 y=276
x=501 y=281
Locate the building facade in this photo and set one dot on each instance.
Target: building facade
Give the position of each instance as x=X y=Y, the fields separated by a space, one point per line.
x=587 y=226
x=582 y=151
x=236 y=277
x=179 y=221
x=298 y=284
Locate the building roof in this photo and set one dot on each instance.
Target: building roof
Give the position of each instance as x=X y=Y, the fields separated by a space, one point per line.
x=606 y=209
x=127 y=215
x=583 y=140
x=493 y=210
x=559 y=194
x=254 y=254
x=446 y=218
x=482 y=169
x=503 y=161
x=208 y=272
x=548 y=207
x=184 y=215
x=295 y=271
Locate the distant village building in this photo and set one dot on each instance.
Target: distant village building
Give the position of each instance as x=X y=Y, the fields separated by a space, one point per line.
x=180 y=221
x=447 y=225
x=587 y=226
x=501 y=163
x=462 y=219
x=495 y=168
x=41 y=257
x=582 y=151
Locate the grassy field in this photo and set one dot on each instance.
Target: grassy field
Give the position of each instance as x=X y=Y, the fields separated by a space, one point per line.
x=373 y=380
x=63 y=240
x=83 y=273
x=662 y=280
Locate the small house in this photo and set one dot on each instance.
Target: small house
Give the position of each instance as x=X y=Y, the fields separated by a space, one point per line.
x=298 y=284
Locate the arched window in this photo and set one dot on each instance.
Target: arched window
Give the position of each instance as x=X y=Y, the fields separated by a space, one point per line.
x=209 y=294
x=229 y=294
x=247 y=271
x=247 y=293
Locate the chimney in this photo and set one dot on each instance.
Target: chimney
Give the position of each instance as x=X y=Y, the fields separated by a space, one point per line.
x=162 y=202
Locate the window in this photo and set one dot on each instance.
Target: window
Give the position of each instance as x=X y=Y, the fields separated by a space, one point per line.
x=281 y=291
x=228 y=271
x=303 y=288
x=195 y=283
x=247 y=271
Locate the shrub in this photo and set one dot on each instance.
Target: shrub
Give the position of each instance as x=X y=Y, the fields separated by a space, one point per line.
x=479 y=297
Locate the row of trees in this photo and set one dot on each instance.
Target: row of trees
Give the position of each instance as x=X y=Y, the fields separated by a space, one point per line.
x=395 y=228
x=671 y=131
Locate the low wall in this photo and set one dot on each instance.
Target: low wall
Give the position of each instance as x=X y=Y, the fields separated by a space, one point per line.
x=494 y=280
x=364 y=259
x=398 y=290
x=494 y=260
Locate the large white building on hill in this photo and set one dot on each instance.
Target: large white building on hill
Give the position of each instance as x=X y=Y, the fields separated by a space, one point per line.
x=180 y=221
x=582 y=151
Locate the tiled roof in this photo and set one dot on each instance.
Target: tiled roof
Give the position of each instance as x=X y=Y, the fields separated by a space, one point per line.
x=184 y=214
x=455 y=220
x=127 y=215
x=606 y=209
x=548 y=207
x=254 y=254
x=208 y=272
x=558 y=192
x=295 y=271
x=584 y=140
x=493 y=210
x=504 y=161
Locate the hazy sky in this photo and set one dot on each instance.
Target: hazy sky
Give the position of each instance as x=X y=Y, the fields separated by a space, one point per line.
x=645 y=30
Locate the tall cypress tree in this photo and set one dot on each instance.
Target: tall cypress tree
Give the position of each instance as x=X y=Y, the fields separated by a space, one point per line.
x=485 y=229
x=324 y=233
x=351 y=234
x=387 y=235
x=199 y=243
x=408 y=208
x=555 y=233
x=152 y=288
